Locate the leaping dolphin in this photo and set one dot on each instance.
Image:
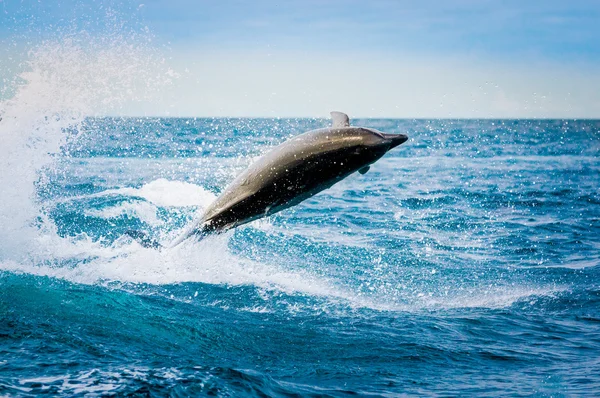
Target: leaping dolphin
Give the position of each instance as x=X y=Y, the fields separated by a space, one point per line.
x=292 y=172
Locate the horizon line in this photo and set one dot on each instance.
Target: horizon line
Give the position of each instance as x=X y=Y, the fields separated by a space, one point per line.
x=352 y=118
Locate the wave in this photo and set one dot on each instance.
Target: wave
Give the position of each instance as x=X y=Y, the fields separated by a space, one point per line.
x=67 y=80
x=163 y=192
x=144 y=202
x=62 y=82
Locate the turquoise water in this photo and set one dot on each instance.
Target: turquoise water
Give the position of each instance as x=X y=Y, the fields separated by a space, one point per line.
x=466 y=261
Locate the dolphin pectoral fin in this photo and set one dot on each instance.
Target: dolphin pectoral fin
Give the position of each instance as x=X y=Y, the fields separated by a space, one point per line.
x=143 y=239
x=364 y=170
x=339 y=119
x=270 y=207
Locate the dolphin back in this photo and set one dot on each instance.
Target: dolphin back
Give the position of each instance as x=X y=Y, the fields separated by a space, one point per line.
x=275 y=164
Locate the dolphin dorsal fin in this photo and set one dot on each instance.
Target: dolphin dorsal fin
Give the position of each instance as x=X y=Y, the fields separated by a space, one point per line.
x=339 y=119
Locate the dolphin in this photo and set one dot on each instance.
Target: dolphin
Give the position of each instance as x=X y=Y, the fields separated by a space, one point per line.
x=290 y=173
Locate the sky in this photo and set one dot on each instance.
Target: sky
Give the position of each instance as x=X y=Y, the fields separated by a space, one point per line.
x=378 y=58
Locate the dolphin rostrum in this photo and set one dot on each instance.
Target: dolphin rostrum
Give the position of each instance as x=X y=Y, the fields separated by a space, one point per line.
x=292 y=172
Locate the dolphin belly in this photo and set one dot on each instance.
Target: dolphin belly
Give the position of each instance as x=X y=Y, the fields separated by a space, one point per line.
x=293 y=185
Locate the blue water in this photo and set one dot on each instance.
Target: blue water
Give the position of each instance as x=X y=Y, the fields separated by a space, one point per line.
x=465 y=262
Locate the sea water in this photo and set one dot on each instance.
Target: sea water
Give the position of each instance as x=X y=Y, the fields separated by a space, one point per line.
x=465 y=262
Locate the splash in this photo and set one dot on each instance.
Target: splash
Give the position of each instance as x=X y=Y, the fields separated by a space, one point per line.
x=163 y=192
x=63 y=81
x=145 y=201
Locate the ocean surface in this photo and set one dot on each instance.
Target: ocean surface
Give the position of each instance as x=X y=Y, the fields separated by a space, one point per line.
x=465 y=262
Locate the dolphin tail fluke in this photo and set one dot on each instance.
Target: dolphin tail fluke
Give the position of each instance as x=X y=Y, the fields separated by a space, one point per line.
x=198 y=232
x=147 y=241
x=144 y=239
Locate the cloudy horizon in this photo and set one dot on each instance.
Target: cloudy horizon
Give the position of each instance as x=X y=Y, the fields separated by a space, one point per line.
x=398 y=59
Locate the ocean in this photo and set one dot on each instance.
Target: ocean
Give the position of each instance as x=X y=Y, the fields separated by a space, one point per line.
x=465 y=262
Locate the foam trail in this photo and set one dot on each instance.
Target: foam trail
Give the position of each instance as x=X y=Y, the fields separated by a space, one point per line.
x=209 y=261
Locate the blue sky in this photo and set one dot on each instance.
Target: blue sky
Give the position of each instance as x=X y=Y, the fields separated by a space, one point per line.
x=427 y=58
